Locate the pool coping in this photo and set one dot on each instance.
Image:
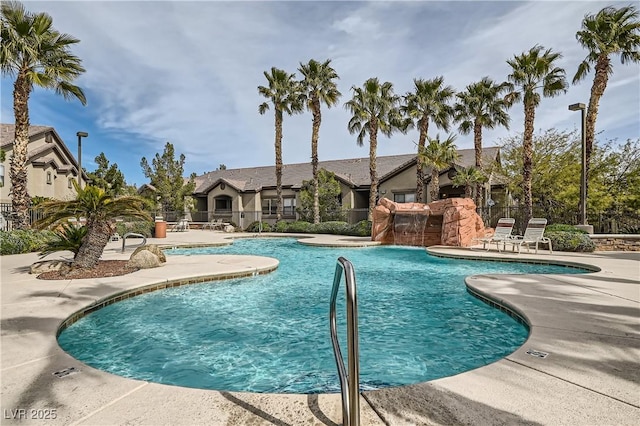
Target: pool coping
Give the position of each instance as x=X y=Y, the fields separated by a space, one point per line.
x=505 y=391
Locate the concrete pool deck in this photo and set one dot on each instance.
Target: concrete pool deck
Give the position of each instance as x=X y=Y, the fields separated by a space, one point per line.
x=588 y=324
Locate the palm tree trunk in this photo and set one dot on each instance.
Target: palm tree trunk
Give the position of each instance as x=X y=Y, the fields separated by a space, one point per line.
x=373 y=148
x=527 y=155
x=20 y=199
x=278 y=147
x=435 y=184
x=424 y=127
x=477 y=144
x=93 y=244
x=317 y=119
x=597 y=90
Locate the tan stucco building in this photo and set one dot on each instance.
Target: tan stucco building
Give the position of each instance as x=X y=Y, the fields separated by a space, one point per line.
x=50 y=165
x=245 y=195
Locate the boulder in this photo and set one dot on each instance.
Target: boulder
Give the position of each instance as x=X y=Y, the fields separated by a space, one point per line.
x=144 y=259
x=153 y=249
x=64 y=266
x=229 y=228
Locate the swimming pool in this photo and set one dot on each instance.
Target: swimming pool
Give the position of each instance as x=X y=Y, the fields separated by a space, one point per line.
x=270 y=333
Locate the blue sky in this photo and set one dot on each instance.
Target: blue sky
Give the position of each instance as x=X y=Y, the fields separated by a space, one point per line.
x=187 y=72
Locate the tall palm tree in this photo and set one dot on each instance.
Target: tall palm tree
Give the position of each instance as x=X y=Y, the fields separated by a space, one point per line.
x=319 y=88
x=374 y=108
x=100 y=210
x=609 y=32
x=438 y=155
x=37 y=54
x=283 y=91
x=481 y=105
x=468 y=177
x=533 y=72
x=428 y=101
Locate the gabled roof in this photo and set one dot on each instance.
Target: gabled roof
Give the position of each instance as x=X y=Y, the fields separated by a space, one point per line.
x=353 y=172
x=36 y=155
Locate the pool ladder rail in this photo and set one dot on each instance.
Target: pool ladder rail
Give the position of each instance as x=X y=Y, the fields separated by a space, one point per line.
x=349 y=383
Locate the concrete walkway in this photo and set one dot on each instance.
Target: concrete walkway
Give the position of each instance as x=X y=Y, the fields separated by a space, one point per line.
x=588 y=324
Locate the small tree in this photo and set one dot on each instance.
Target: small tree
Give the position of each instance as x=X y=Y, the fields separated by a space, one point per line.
x=469 y=177
x=438 y=155
x=107 y=177
x=328 y=198
x=166 y=176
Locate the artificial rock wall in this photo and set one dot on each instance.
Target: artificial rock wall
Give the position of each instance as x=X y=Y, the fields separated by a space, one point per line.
x=450 y=222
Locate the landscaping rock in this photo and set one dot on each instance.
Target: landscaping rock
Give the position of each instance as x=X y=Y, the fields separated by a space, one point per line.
x=64 y=266
x=229 y=228
x=153 y=249
x=143 y=259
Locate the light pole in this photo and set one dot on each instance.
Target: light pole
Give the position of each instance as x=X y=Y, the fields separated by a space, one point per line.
x=583 y=175
x=80 y=136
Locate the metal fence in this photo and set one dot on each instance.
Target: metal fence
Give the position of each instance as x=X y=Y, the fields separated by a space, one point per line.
x=608 y=222
x=8 y=216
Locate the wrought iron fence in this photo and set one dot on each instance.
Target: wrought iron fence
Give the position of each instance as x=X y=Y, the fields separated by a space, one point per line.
x=8 y=216
x=608 y=222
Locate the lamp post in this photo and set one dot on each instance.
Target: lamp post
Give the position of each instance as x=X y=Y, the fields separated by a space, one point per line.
x=583 y=176
x=80 y=136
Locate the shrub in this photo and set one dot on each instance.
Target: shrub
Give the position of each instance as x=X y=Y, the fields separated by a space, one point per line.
x=332 y=227
x=23 y=241
x=559 y=227
x=255 y=227
x=280 y=226
x=68 y=237
x=361 y=229
x=299 y=226
x=570 y=241
x=143 y=227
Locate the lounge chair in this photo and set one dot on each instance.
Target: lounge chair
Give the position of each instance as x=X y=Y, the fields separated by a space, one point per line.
x=501 y=235
x=534 y=234
x=181 y=225
x=214 y=224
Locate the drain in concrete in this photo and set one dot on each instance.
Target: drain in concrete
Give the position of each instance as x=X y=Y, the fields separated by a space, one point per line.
x=66 y=372
x=538 y=354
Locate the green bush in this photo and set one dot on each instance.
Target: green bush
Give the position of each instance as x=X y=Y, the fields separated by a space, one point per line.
x=24 y=241
x=280 y=226
x=570 y=241
x=69 y=237
x=255 y=227
x=361 y=229
x=332 y=227
x=143 y=227
x=559 y=227
x=299 y=226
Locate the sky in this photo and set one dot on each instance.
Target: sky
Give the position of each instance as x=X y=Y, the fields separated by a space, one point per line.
x=188 y=72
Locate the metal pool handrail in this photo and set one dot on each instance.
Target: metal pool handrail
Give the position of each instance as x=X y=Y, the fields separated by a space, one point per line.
x=349 y=383
x=133 y=234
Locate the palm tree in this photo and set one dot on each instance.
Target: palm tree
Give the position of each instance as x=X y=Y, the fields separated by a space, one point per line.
x=609 y=32
x=438 y=155
x=100 y=209
x=284 y=93
x=374 y=108
x=533 y=72
x=469 y=178
x=35 y=54
x=429 y=101
x=481 y=105
x=318 y=87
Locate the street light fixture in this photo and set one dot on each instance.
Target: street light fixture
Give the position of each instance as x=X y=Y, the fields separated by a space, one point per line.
x=80 y=136
x=583 y=176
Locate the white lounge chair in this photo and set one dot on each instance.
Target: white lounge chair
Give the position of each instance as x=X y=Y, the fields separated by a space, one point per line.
x=214 y=224
x=501 y=235
x=181 y=225
x=534 y=234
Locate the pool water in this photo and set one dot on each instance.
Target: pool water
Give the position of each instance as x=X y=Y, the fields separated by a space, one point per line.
x=270 y=333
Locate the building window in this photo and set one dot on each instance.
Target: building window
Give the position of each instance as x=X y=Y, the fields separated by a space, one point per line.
x=70 y=183
x=222 y=205
x=49 y=178
x=288 y=206
x=409 y=197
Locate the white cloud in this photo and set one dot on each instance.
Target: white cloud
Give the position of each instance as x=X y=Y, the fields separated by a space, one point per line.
x=188 y=72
